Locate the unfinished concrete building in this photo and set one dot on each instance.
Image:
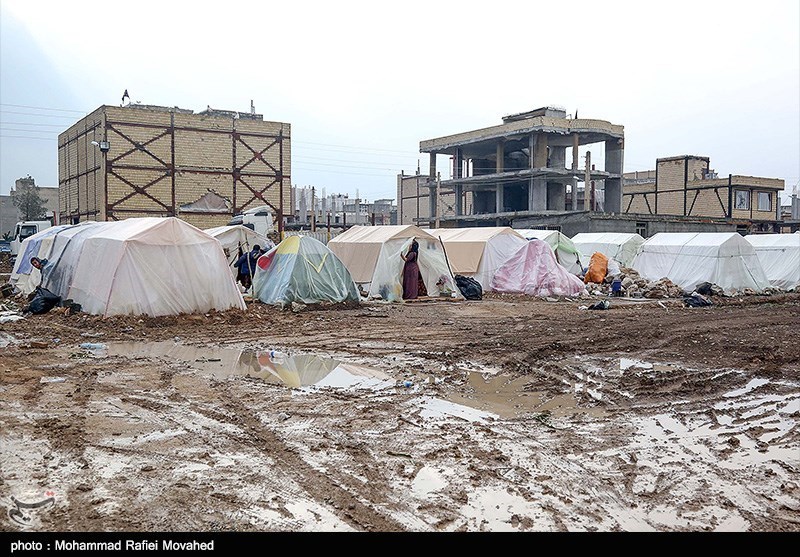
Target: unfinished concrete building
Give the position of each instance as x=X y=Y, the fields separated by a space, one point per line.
x=414 y=203
x=527 y=169
x=144 y=160
x=686 y=186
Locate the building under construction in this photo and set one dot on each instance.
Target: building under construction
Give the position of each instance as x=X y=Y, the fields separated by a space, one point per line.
x=520 y=170
x=143 y=160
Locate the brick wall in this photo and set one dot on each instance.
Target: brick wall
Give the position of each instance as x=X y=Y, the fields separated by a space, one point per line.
x=207 y=149
x=80 y=170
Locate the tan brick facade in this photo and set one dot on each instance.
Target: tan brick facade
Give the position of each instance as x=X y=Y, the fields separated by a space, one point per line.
x=161 y=159
x=685 y=186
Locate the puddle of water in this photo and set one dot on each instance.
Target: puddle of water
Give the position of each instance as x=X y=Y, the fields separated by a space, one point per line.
x=628 y=363
x=433 y=408
x=753 y=384
x=295 y=371
x=508 y=398
x=427 y=481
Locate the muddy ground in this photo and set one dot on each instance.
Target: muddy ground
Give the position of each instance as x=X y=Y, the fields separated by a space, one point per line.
x=504 y=414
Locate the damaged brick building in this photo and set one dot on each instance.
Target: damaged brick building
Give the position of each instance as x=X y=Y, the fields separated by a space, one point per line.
x=145 y=160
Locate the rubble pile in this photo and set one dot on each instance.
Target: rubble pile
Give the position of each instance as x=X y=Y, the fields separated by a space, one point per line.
x=634 y=286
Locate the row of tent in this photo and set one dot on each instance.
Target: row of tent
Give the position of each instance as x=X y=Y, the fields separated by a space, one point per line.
x=731 y=261
x=165 y=266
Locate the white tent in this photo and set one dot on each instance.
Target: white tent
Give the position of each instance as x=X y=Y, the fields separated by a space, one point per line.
x=238 y=236
x=140 y=266
x=478 y=252
x=564 y=248
x=779 y=255
x=534 y=271
x=24 y=276
x=619 y=246
x=688 y=259
x=372 y=255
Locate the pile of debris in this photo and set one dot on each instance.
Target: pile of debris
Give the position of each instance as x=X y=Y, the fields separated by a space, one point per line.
x=632 y=285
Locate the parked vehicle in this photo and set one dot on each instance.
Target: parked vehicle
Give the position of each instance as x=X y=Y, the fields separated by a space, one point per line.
x=24 y=229
x=258 y=219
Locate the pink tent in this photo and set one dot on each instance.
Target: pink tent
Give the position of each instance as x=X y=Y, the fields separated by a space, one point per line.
x=533 y=270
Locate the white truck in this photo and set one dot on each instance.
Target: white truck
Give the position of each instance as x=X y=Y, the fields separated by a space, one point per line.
x=259 y=219
x=26 y=228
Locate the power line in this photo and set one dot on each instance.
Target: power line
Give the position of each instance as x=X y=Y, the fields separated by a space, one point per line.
x=43 y=108
x=29 y=137
x=24 y=130
x=32 y=124
x=349 y=147
x=38 y=115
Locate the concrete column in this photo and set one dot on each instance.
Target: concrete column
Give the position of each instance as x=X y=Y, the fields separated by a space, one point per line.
x=458 y=164
x=574 y=193
x=614 y=165
x=540 y=151
x=432 y=172
x=556 y=196
x=575 y=158
x=501 y=155
x=537 y=194
x=558 y=157
x=499 y=203
x=432 y=201
x=459 y=205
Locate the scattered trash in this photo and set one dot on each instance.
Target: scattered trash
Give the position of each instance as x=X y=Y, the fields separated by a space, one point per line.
x=602 y=304
x=583 y=307
x=52 y=379
x=43 y=301
x=470 y=288
x=276 y=357
x=407 y=383
x=296 y=307
x=10 y=316
x=662 y=305
x=38 y=344
x=697 y=301
x=93 y=345
x=283 y=416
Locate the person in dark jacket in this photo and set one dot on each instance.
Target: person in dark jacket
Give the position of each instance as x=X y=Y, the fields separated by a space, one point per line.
x=246 y=265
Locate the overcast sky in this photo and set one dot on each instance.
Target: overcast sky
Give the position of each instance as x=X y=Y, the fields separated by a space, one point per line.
x=362 y=83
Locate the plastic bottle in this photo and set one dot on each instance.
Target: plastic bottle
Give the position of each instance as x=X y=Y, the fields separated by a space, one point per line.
x=277 y=357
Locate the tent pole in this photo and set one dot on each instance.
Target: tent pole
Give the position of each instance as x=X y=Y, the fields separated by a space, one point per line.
x=445 y=257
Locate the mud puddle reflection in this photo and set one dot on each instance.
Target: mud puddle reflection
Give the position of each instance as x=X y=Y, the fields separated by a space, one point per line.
x=295 y=371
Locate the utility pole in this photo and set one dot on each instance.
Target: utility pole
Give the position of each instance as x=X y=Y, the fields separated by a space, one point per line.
x=313 y=211
x=586 y=182
x=438 y=194
x=329 y=225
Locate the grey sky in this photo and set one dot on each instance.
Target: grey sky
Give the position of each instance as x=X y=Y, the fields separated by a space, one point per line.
x=362 y=83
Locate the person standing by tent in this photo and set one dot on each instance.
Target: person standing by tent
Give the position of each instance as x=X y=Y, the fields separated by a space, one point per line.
x=246 y=265
x=411 y=272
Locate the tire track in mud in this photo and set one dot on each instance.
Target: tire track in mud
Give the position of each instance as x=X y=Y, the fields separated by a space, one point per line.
x=353 y=502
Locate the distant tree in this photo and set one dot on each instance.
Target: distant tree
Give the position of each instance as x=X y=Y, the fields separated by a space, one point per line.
x=27 y=200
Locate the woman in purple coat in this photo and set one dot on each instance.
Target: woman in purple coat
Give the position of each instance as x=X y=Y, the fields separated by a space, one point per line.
x=411 y=272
